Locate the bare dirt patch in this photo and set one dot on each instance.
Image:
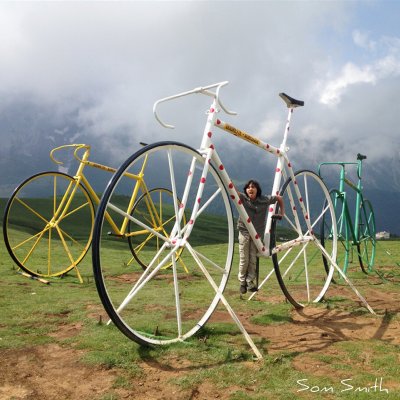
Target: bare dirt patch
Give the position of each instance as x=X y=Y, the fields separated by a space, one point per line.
x=50 y=372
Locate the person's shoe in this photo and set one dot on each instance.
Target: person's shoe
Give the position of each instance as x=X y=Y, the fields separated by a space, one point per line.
x=243 y=288
x=251 y=287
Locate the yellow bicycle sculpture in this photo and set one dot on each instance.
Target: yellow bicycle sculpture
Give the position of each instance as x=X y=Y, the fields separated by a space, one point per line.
x=49 y=219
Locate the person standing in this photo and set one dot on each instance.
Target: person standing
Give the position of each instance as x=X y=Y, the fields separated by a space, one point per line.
x=256 y=206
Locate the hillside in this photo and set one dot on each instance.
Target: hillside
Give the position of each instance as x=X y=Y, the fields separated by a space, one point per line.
x=385 y=204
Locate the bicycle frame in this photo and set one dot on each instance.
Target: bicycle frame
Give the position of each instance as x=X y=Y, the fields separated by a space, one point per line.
x=283 y=170
x=80 y=178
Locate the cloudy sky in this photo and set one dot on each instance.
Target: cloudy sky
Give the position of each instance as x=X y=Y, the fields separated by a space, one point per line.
x=91 y=71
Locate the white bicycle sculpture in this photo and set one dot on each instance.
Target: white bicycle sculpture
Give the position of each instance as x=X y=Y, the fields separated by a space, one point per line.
x=172 y=289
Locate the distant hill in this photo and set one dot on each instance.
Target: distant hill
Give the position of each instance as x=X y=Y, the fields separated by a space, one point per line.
x=385 y=205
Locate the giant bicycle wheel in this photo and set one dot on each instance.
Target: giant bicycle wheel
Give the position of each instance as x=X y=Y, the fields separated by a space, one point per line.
x=366 y=237
x=344 y=240
x=297 y=258
x=48 y=224
x=153 y=209
x=161 y=305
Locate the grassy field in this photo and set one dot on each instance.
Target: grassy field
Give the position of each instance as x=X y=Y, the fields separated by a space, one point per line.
x=331 y=350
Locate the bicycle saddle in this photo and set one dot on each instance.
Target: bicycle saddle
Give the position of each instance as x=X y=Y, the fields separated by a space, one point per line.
x=290 y=101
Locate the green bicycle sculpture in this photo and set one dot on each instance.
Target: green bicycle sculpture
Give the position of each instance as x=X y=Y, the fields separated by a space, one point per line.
x=355 y=226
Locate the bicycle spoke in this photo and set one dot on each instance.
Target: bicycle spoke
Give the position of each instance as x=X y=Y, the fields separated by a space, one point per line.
x=136 y=221
x=367 y=237
x=177 y=298
x=75 y=210
x=153 y=209
x=34 y=212
x=210 y=262
x=29 y=239
x=175 y=197
x=38 y=238
x=148 y=274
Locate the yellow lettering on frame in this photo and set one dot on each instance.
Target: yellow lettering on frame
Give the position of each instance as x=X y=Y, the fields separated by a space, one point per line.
x=241 y=134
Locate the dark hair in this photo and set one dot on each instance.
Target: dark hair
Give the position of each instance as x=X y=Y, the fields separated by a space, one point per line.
x=254 y=183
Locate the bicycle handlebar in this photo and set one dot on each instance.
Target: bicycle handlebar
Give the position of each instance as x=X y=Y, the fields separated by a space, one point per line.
x=78 y=147
x=202 y=90
x=360 y=157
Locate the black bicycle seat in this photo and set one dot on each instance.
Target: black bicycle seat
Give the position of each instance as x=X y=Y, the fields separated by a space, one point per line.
x=290 y=101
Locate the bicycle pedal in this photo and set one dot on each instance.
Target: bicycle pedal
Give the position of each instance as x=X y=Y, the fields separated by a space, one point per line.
x=113 y=234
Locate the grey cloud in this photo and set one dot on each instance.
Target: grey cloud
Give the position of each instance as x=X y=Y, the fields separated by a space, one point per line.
x=92 y=70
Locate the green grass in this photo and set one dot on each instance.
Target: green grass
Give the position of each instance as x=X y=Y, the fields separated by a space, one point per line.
x=32 y=314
